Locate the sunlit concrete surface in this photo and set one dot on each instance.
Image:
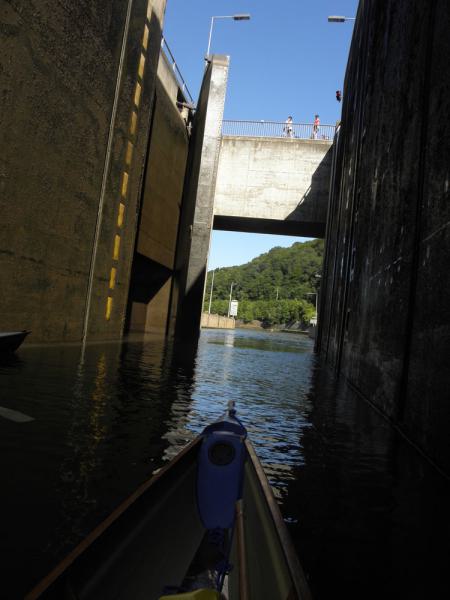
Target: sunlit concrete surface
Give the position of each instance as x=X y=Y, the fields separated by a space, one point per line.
x=273 y=185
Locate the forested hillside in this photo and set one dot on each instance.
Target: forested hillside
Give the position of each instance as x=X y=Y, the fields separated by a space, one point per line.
x=276 y=287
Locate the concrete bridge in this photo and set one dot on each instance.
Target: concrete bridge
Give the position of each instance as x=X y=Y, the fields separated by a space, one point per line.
x=263 y=180
x=272 y=184
x=266 y=180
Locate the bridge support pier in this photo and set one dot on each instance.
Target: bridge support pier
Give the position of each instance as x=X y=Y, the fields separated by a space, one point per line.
x=198 y=198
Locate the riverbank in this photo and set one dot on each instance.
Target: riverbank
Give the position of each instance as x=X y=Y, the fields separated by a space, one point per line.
x=295 y=327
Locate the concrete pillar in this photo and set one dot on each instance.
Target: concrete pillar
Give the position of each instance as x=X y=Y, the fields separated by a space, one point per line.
x=198 y=197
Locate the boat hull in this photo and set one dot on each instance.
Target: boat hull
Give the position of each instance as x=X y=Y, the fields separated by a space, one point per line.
x=146 y=546
x=10 y=341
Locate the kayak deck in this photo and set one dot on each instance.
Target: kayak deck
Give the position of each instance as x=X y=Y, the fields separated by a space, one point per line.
x=146 y=548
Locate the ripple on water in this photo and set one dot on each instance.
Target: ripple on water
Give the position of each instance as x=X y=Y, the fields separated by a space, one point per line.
x=106 y=419
x=268 y=376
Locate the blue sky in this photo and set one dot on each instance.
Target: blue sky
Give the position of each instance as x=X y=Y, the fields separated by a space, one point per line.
x=287 y=60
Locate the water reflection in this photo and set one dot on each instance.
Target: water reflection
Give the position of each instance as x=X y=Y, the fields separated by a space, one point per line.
x=366 y=511
x=269 y=378
x=370 y=514
x=88 y=428
x=98 y=432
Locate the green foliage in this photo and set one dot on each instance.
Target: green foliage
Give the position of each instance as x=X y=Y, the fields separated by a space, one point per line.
x=273 y=287
x=270 y=312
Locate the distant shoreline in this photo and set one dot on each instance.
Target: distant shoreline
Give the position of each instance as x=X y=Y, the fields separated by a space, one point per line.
x=258 y=325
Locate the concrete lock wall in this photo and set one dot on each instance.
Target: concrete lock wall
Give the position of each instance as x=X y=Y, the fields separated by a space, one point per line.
x=217 y=321
x=77 y=86
x=270 y=185
x=154 y=260
x=385 y=314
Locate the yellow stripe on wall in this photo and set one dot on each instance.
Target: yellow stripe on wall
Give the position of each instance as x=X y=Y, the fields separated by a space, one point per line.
x=124 y=183
x=109 y=302
x=133 y=122
x=145 y=37
x=112 y=278
x=129 y=154
x=141 y=66
x=137 y=94
x=116 y=247
x=120 y=215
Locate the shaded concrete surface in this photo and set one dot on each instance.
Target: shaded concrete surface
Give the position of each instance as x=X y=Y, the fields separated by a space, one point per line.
x=154 y=259
x=198 y=198
x=270 y=226
x=148 y=289
x=368 y=514
x=68 y=84
x=272 y=184
x=124 y=177
x=385 y=314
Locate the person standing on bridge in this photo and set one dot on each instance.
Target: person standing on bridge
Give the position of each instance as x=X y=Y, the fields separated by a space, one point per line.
x=288 y=127
x=316 y=126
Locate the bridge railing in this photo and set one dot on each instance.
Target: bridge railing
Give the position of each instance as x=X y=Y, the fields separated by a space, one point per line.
x=179 y=77
x=276 y=129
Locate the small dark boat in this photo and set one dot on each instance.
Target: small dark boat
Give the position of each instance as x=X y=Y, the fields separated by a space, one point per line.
x=11 y=340
x=205 y=527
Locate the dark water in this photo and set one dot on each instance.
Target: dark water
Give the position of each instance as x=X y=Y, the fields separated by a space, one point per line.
x=369 y=516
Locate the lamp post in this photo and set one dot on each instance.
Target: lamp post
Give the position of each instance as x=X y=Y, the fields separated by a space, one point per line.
x=240 y=17
x=339 y=19
x=229 y=301
x=211 y=293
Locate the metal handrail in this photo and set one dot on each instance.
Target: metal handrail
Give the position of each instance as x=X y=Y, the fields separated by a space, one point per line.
x=278 y=129
x=175 y=69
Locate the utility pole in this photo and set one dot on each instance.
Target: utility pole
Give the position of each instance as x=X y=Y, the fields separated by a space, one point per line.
x=211 y=293
x=229 y=301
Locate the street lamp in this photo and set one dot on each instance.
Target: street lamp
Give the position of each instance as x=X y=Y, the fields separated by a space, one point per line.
x=211 y=292
x=340 y=19
x=229 y=301
x=242 y=17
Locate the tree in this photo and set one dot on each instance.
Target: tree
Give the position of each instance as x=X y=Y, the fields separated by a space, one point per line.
x=291 y=270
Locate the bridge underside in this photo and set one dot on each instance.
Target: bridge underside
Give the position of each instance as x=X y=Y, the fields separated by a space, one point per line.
x=269 y=226
x=272 y=185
